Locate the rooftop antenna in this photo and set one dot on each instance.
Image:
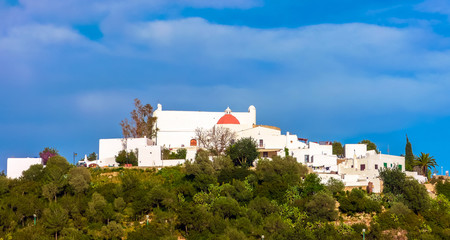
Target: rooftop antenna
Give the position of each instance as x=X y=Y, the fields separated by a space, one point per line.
x=388 y=149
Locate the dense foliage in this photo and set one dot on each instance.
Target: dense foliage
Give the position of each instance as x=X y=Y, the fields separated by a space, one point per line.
x=212 y=200
x=338 y=149
x=243 y=152
x=125 y=157
x=178 y=154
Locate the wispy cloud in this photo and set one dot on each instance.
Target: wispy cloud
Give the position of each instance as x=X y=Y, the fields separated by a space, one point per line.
x=435 y=6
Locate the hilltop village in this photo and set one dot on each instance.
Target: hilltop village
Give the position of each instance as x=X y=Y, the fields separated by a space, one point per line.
x=221 y=175
x=187 y=131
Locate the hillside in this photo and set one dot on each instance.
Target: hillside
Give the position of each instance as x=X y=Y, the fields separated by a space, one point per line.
x=213 y=200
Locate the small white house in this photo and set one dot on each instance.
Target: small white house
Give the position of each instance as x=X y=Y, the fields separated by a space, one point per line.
x=317 y=156
x=15 y=166
x=148 y=154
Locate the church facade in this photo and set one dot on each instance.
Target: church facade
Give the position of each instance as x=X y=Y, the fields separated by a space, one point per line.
x=176 y=129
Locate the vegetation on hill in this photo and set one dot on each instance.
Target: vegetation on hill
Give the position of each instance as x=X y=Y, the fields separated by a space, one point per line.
x=216 y=199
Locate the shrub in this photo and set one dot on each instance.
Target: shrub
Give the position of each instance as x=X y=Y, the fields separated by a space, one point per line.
x=357 y=201
x=443 y=188
x=322 y=206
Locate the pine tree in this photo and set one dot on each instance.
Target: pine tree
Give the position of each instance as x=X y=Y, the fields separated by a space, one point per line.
x=409 y=156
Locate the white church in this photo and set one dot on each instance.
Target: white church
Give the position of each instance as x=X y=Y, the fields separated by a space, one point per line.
x=177 y=129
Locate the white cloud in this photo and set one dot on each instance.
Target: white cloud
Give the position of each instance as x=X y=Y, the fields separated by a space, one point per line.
x=86 y=11
x=436 y=6
x=326 y=72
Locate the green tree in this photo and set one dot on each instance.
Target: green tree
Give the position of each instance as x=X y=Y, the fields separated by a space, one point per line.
x=50 y=191
x=335 y=186
x=443 y=188
x=55 y=176
x=30 y=233
x=399 y=216
x=370 y=145
x=243 y=152
x=222 y=163
x=34 y=173
x=409 y=191
x=55 y=219
x=415 y=196
x=276 y=176
x=125 y=157
x=338 y=150
x=99 y=209
x=79 y=179
x=322 y=206
x=201 y=171
x=112 y=231
x=92 y=156
x=409 y=156
x=4 y=185
x=311 y=185
x=179 y=154
x=71 y=233
x=357 y=201
x=393 y=180
x=425 y=162
x=142 y=122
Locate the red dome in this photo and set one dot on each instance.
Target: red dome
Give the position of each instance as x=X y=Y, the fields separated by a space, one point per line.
x=228 y=119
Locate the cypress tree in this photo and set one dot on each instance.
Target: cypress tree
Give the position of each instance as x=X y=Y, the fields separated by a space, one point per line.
x=409 y=156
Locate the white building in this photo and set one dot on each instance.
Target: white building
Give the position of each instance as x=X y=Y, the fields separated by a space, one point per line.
x=366 y=163
x=360 y=166
x=176 y=129
x=15 y=166
x=317 y=156
x=148 y=154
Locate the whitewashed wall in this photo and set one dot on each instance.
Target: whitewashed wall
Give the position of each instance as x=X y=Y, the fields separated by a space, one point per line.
x=15 y=166
x=109 y=148
x=351 y=150
x=149 y=156
x=177 y=128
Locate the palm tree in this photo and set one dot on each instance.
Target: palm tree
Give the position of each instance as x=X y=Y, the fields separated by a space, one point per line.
x=425 y=162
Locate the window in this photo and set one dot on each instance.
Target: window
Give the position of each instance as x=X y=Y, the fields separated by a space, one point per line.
x=312 y=159
x=385 y=165
x=265 y=154
x=261 y=143
x=376 y=166
x=193 y=142
x=362 y=167
x=306 y=158
x=400 y=167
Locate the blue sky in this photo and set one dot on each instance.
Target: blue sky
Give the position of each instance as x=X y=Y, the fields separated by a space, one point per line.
x=325 y=70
